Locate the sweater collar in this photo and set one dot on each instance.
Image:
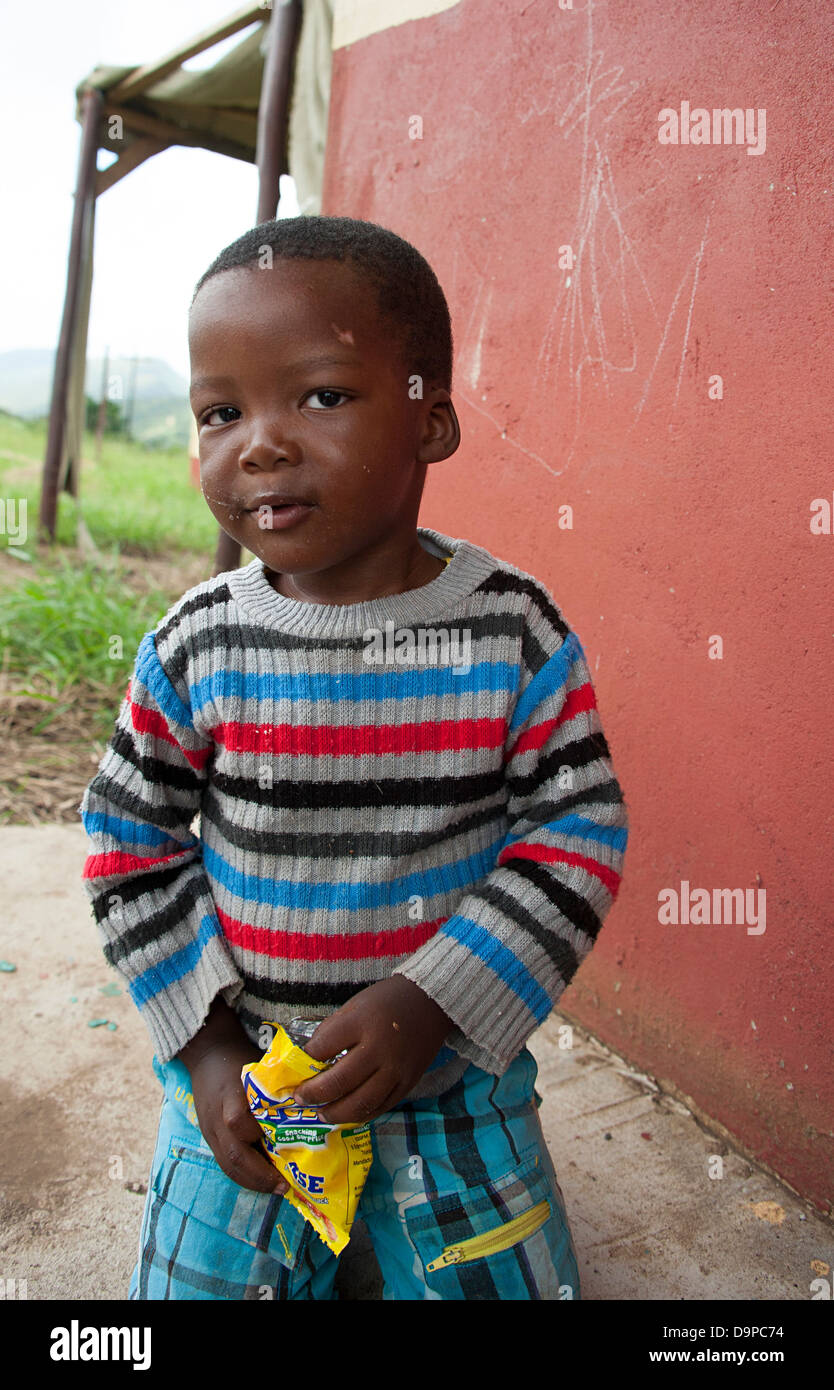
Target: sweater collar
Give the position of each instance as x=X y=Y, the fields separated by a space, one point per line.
x=469 y=565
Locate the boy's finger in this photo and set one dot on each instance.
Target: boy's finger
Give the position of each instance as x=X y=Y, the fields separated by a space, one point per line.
x=279 y=1183
x=249 y=1167
x=333 y=1035
x=339 y=1080
x=364 y=1103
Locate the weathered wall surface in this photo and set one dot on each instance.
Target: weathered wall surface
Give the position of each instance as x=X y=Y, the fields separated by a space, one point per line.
x=595 y=388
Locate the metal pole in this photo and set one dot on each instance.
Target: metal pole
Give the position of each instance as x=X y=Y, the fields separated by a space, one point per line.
x=274 y=106
x=271 y=159
x=84 y=194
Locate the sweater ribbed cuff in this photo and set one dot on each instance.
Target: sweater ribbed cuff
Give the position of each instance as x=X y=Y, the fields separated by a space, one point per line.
x=492 y=1023
x=175 y=1015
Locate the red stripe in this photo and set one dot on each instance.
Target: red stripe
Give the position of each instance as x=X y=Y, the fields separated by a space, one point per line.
x=149 y=721
x=318 y=946
x=546 y=854
x=104 y=865
x=349 y=740
x=583 y=698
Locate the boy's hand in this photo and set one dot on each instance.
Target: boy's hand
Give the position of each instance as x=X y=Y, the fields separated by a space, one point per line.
x=226 y=1122
x=214 y=1060
x=393 y=1030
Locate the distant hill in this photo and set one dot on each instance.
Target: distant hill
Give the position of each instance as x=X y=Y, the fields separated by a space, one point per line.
x=161 y=413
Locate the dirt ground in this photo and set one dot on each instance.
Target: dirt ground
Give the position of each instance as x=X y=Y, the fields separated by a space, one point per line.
x=79 y=1106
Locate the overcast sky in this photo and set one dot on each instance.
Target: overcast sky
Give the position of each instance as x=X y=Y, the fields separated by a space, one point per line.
x=157 y=229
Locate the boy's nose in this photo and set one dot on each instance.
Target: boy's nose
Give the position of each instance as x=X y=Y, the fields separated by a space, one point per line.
x=268 y=446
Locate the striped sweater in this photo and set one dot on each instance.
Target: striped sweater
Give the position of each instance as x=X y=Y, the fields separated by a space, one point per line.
x=370 y=801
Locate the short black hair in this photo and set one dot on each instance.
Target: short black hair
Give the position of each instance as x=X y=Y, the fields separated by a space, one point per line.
x=408 y=292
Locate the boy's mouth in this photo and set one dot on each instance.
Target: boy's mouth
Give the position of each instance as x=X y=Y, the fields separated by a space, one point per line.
x=275 y=511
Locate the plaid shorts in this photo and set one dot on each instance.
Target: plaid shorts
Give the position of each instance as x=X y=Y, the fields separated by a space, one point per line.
x=461 y=1202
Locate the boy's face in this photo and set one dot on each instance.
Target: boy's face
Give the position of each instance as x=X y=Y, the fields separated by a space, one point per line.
x=342 y=439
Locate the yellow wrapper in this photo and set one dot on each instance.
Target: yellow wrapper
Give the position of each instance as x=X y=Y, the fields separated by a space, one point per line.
x=325 y=1165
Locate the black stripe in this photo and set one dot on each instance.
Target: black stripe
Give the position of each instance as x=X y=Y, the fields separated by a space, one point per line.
x=560 y=952
x=268 y=1223
x=355 y=795
x=113 y=794
x=412 y=1140
x=171 y=1263
x=187 y=893
x=455 y=1225
x=603 y=794
x=149 y=1249
x=307 y=845
x=460 y=1138
x=360 y=843
x=517 y=1249
x=131 y=889
x=229 y=637
x=213 y=598
x=152 y=769
x=217 y=1287
x=533 y=653
x=571 y=905
x=581 y=753
x=502 y=1118
x=500 y=582
x=284 y=1284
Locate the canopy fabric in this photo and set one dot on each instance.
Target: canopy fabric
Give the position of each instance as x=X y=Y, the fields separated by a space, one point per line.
x=220 y=103
x=310 y=103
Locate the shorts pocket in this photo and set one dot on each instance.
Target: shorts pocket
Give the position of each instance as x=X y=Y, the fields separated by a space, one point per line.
x=496 y=1239
x=504 y=1239
x=191 y=1181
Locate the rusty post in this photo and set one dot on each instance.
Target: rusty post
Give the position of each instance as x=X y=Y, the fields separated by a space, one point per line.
x=84 y=194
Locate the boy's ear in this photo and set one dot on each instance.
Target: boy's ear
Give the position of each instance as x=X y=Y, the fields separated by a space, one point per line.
x=442 y=435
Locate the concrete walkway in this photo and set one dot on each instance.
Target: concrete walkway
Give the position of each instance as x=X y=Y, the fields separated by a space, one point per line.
x=79 y=1105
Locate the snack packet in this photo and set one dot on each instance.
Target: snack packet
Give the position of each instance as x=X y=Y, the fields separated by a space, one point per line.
x=325 y=1165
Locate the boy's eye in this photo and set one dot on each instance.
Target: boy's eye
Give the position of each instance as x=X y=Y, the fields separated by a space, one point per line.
x=324 y=392
x=330 y=398
x=217 y=410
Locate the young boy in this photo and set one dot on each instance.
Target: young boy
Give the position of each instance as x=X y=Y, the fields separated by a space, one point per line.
x=409 y=822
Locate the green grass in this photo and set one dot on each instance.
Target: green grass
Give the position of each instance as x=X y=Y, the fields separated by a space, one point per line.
x=141 y=500
x=69 y=633
x=69 y=628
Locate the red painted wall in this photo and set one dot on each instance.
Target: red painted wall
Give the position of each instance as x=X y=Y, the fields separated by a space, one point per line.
x=691 y=516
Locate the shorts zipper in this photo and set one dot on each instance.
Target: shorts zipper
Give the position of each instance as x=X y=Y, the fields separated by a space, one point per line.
x=491 y=1242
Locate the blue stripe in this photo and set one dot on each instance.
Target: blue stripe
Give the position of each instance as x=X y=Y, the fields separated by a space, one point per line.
x=386 y=685
x=292 y=893
x=149 y=671
x=160 y=977
x=509 y=969
x=614 y=835
x=126 y=832
x=552 y=676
